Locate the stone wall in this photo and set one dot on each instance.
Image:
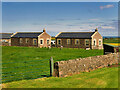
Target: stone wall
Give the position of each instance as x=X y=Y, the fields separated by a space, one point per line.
x=64 y=68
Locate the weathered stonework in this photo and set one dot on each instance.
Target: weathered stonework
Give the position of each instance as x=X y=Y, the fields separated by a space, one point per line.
x=94 y=40
x=64 y=68
x=15 y=41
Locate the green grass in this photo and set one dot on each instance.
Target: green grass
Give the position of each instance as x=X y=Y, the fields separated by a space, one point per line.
x=24 y=57
x=100 y=78
x=11 y=54
x=111 y=40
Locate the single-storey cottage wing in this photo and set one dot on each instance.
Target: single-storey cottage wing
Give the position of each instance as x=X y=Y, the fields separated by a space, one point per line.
x=36 y=39
x=92 y=40
x=5 y=39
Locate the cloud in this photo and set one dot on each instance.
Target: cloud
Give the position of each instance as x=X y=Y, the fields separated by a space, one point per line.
x=108 y=27
x=61 y=19
x=36 y=24
x=94 y=19
x=105 y=26
x=72 y=25
x=106 y=6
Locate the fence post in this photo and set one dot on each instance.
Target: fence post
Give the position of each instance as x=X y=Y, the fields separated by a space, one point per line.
x=51 y=66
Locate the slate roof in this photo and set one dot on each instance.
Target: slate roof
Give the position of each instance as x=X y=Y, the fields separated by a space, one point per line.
x=83 y=35
x=5 y=35
x=27 y=34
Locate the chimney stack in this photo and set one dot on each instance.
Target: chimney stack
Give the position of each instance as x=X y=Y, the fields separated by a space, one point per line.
x=44 y=30
x=96 y=30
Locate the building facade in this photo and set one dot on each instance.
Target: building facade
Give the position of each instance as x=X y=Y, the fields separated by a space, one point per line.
x=5 y=39
x=35 y=39
x=92 y=40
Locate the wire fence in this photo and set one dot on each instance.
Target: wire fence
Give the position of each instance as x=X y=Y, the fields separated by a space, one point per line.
x=14 y=71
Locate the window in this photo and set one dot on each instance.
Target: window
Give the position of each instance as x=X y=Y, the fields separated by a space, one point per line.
x=21 y=40
x=59 y=41
x=27 y=40
x=94 y=42
x=4 y=40
x=76 y=41
x=47 y=42
x=41 y=41
x=100 y=42
x=87 y=42
x=68 y=41
x=34 y=41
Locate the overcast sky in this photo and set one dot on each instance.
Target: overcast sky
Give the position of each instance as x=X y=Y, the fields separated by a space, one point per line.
x=60 y=16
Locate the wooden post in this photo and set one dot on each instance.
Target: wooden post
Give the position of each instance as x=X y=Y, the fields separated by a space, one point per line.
x=51 y=66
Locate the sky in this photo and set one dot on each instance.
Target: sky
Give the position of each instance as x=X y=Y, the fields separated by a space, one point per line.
x=56 y=17
x=60 y=0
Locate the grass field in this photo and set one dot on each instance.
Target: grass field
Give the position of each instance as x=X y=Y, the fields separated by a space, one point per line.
x=111 y=40
x=100 y=78
x=20 y=61
x=29 y=62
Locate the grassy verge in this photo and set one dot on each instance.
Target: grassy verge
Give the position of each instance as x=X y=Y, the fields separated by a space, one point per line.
x=29 y=62
x=100 y=78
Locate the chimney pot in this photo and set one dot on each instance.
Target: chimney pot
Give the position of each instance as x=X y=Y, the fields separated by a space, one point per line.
x=96 y=30
x=44 y=30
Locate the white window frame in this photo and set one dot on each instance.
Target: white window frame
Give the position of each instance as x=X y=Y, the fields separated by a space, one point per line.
x=42 y=41
x=27 y=39
x=60 y=41
x=88 y=41
x=21 y=40
x=33 y=41
x=101 y=42
x=67 y=41
x=49 y=41
x=95 y=42
x=4 y=40
x=76 y=42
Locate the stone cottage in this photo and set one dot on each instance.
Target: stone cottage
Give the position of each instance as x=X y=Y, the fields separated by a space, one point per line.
x=86 y=40
x=5 y=39
x=35 y=39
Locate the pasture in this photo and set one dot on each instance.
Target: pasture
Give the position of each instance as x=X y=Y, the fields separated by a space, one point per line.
x=111 y=40
x=19 y=63
x=100 y=78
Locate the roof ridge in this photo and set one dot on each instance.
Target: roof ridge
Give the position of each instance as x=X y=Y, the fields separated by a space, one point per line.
x=6 y=33
x=29 y=32
x=77 y=32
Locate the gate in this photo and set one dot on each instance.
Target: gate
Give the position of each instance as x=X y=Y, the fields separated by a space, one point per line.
x=14 y=71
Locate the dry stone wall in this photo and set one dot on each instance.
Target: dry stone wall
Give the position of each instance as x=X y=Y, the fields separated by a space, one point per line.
x=64 y=68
